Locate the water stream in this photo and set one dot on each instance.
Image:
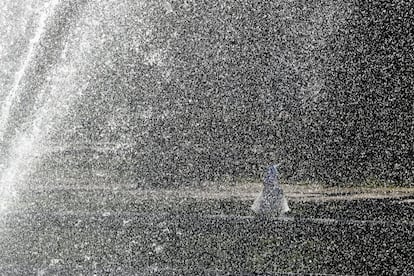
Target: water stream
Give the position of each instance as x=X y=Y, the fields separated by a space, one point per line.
x=49 y=80
x=13 y=95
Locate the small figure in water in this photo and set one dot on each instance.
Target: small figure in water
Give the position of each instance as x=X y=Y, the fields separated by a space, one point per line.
x=271 y=201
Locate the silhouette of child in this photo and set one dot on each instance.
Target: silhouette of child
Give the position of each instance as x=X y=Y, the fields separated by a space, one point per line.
x=271 y=200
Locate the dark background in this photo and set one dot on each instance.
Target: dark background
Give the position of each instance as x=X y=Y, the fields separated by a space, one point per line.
x=224 y=89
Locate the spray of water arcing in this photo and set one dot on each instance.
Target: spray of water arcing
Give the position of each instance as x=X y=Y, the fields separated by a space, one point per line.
x=45 y=104
x=11 y=97
x=70 y=39
x=23 y=142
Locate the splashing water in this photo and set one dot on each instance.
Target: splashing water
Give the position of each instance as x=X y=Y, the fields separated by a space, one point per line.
x=14 y=92
x=39 y=99
x=22 y=145
x=70 y=42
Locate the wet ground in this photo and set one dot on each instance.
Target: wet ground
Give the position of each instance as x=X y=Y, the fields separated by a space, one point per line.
x=207 y=231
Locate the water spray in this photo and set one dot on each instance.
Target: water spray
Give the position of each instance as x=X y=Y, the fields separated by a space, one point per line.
x=22 y=143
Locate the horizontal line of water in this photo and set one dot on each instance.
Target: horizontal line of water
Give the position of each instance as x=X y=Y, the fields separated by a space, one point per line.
x=148 y=216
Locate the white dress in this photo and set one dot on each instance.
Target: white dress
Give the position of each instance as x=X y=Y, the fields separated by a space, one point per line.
x=271 y=199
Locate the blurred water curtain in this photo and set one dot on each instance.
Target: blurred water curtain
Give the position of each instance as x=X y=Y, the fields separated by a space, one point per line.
x=48 y=51
x=177 y=91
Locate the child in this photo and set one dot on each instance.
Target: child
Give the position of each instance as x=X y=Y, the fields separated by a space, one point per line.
x=271 y=200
